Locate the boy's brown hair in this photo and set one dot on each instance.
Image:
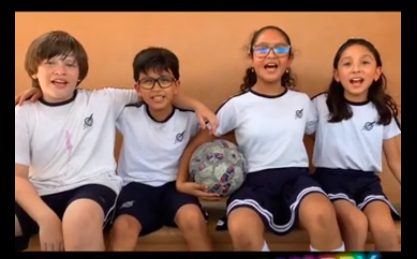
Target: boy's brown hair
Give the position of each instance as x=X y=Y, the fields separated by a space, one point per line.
x=52 y=44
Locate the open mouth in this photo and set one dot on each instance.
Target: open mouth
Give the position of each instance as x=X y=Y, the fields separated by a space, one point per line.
x=271 y=67
x=59 y=83
x=158 y=98
x=356 y=81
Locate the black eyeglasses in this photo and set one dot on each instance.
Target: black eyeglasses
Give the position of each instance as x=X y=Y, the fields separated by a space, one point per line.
x=163 y=82
x=264 y=51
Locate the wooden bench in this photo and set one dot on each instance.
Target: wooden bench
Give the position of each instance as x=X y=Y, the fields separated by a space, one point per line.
x=170 y=239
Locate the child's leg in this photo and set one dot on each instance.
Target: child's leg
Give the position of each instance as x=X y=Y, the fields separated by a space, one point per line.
x=245 y=224
x=382 y=226
x=124 y=233
x=85 y=216
x=186 y=212
x=136 y=214
x=246 y=229
x=353 y=225
x=316 y=214
x=380 y=213
x=25 y=226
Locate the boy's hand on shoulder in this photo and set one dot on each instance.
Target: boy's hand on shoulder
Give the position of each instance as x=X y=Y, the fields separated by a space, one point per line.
x=206 y=116
x=32 y=94
x=198 y=190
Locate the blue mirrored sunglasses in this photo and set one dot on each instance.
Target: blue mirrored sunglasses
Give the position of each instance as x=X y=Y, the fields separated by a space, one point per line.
x=276 y=50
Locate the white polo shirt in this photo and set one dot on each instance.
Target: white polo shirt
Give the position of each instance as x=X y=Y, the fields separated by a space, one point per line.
x=269 y=129
x=151 y=150
x=71 y=144
x=356 y=143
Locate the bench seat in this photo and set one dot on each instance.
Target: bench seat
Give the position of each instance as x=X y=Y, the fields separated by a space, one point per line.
x=170 y=239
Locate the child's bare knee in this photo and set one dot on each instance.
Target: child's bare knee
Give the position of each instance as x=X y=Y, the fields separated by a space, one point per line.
x=360 y=224
x=124 y=233
x=190 y=218
x=246 y=229
x=317 y=213
x=82 y=226
x=357 y=222
x=237 y=228
x=82 y=215
x=125 y=226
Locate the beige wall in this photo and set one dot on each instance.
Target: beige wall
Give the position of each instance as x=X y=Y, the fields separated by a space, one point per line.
x=210 y=47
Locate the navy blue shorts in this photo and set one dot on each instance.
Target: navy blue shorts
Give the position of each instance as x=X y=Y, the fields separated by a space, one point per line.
x=153 y=207
x=275 y=194
x=358 y=187
x=59 y=202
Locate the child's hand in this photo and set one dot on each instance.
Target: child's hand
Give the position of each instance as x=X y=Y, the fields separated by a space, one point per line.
x=32 y=94
x=198 y=190
x=207 y=117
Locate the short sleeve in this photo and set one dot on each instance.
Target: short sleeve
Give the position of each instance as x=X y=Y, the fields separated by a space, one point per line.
x=227 y=116
x=119 y=98
x=194 y=124
x=22 y=138
x=393 y=129
x=312 y=117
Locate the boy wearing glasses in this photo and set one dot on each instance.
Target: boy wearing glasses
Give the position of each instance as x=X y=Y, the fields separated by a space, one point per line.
x=155 y=134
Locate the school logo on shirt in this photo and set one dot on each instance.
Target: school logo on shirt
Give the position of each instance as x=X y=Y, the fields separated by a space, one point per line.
x=88 y=122
x=369 y=125
x=127 y=205
x=299 y=114
x=180 y=137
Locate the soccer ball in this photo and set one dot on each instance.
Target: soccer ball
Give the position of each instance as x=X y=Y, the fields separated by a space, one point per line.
x=219 y=165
